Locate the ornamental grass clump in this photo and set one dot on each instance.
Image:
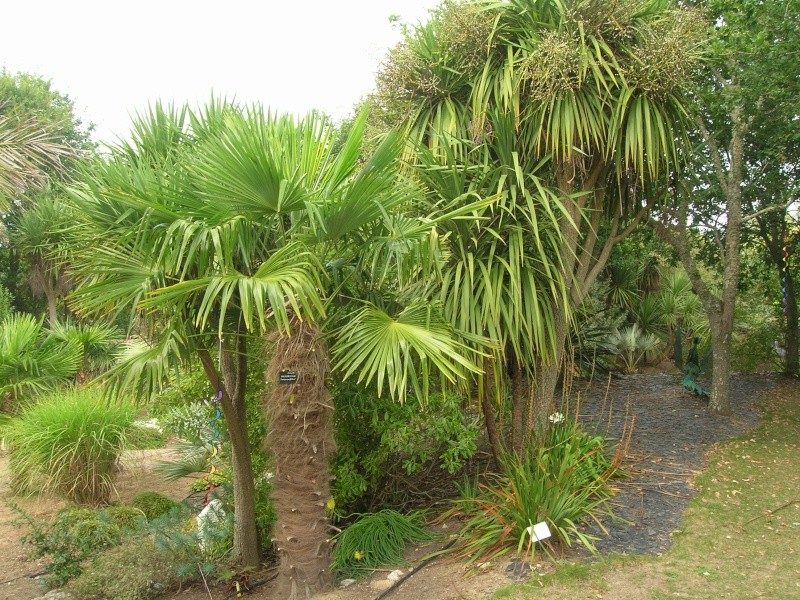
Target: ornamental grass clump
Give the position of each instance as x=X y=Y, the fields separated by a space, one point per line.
x=376 y=539
x=68 y=444
x=563 y=480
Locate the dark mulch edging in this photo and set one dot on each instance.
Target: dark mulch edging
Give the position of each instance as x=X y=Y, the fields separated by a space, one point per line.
x=672 y=433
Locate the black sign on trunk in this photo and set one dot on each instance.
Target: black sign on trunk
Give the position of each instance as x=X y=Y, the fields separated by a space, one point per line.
x=287 y=377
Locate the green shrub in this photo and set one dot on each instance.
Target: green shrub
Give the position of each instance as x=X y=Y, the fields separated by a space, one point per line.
x=378 y=438
x=75 y=535
x=126 y=518
x=68 y=443
x=153 y=504
x=137 y=569
x=563 y=481
x=176 y=533
x=376 y=539
x=6 y=303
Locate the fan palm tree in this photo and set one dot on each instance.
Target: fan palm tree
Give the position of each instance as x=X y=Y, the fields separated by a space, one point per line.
x=588 y=95
x=33 y=360
x=212 y=227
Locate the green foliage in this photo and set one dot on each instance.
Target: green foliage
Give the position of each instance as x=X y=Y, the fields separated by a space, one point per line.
x=75 y=535
x=126 y=518
x=190 y=422
x=153 y=504
x=99 y=343
x=31 y=361
x=137 y=569
x=176 y=533
x=187 y=386
x=376 y=539
x=562 y=480
x=377 y=438
x=6 y=303
x=632 y=346
x=756 y=332
x=68 y=443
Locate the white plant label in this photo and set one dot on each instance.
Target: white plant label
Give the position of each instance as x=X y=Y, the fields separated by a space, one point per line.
x=539 y=532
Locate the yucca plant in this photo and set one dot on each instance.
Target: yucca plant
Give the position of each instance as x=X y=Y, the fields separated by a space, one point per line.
x=564 y=481
x=631 y=346
x=68 y=444
x=648 y=316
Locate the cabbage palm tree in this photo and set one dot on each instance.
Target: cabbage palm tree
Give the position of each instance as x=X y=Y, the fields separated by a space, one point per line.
x=586 y=95
x=210 y=228
x=28 y=149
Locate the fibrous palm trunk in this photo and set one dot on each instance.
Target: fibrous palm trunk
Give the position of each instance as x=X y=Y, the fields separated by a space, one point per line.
x=300 y=440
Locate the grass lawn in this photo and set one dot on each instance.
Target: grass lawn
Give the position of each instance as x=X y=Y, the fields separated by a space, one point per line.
x=740 y=536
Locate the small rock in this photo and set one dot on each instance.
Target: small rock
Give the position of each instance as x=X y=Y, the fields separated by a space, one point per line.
x=395 y=576
x=380 y=584
x=346 y=583
x=518 y=570
x=56 y=595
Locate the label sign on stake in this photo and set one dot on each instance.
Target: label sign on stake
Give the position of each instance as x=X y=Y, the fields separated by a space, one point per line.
x=286 y=377
x=539 y=532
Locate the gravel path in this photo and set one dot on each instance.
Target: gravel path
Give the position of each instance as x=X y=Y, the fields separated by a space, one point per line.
x=673 y=431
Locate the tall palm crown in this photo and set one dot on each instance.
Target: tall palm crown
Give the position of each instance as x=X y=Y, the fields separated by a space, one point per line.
x=209 y=227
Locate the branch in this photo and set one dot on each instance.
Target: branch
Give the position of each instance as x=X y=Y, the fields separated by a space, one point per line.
x=768 y=209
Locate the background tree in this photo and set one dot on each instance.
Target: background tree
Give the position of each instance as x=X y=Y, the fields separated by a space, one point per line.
x=41 y=140
x=589 y=96
x=742 y=100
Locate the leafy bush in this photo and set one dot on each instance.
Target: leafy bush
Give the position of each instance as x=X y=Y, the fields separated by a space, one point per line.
x=68 y=443
x=378 y=438
x=756 y=334
x=376 y=539
x=126 y=518
x=176 y=533
x=33 y=362
x=75 y=535
x=137 y=569
x=631 y=346
x=190 y=422
x=562 y=481
x=153 y=504
x=6 y=303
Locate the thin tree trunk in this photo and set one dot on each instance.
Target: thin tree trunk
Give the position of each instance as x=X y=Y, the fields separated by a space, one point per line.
x=489 y=416
x=232 y=384
x=519 y=401
x=792 y=360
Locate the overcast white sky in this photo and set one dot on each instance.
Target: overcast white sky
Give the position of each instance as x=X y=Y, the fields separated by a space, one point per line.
x=114 y=57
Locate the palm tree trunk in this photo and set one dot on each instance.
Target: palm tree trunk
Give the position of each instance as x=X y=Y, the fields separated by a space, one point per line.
x=548 y=372
x=300 y=440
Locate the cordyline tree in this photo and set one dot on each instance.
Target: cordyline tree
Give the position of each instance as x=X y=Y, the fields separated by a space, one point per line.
x=41 y=138
x=213 y=227
x=744 y=166
x=579 y=107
